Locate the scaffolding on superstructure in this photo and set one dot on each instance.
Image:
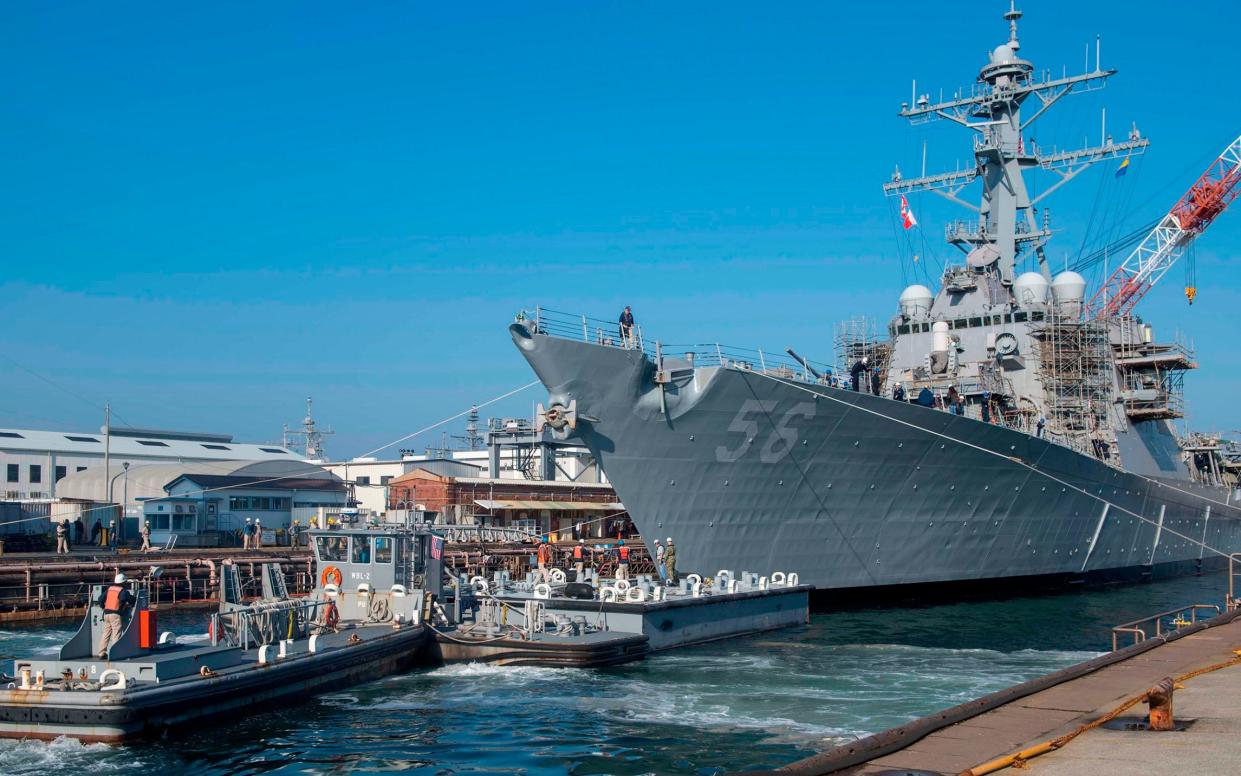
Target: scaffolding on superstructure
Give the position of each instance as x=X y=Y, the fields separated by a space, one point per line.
x=1076 y=372
x=1151 y=375
x=858 y=338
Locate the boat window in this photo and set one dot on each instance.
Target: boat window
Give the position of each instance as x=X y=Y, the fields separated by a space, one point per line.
x=331 y=548
x=926 y=327
x=361 y=549
x=1019 y=317
x=902 y=329
x=958 y=323
x=1036 y=316
x=975 y=321
x=383 y=549
x=1008 y=317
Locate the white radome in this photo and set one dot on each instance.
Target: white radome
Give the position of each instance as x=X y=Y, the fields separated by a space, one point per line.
x=915 y=301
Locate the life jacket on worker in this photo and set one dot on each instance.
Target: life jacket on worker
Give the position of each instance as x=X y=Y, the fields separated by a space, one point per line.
x=624 y=554
x=112 y=601
x=545 y=554
x=577 y=552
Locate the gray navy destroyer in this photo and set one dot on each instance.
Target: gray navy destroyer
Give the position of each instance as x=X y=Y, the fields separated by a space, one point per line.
x=1007 y=429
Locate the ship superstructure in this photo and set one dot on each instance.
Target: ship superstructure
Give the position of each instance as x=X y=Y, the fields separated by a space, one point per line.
x=1017 y=347
x=1006 y=427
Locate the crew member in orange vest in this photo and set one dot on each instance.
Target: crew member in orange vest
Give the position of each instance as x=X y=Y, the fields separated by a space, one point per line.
x=115 y=601
x=622 y=567
x=579 y=558
x=545 y=560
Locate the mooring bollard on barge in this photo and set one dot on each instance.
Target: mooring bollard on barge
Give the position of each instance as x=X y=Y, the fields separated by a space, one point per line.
x=597 y=622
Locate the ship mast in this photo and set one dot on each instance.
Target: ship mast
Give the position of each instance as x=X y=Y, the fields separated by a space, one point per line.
x=1006 y=230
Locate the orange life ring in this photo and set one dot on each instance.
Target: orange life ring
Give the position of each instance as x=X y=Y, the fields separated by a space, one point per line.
x=331 y=574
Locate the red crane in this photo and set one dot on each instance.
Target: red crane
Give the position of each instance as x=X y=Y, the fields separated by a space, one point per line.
x=1155 y=255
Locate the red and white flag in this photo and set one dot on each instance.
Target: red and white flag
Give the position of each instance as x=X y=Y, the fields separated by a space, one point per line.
x=907 y=215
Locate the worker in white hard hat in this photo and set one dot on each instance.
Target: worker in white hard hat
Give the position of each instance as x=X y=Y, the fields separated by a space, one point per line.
x=247 y=531
x=670 y=562
x=115 y=601
x=257 y=540
x=579 y=560
x=145 y=533
x=62 y=538
x=859 y=374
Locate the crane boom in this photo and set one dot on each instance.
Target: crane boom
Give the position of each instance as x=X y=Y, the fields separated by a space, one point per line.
x=1168 y=241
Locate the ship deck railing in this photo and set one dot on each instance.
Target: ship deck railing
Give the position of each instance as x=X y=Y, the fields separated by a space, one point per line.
x=583 y=328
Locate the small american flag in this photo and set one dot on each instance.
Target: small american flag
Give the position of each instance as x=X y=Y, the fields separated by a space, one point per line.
x=437 y=547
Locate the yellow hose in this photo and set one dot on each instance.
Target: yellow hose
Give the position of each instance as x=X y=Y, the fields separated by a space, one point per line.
x=1028 y=753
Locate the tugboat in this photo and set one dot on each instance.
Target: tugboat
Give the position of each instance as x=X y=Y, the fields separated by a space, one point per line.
x=364 y=620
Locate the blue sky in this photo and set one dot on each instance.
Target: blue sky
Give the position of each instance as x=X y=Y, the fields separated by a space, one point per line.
x=210 y=212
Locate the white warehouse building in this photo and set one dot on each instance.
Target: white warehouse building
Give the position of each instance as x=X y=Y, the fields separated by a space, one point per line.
x=32 y=462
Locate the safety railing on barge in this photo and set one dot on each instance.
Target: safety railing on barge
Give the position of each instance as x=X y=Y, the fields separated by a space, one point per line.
x=265 y=622
x=583 y=328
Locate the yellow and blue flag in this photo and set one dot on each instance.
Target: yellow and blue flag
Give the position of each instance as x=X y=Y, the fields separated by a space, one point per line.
x=1123 y=168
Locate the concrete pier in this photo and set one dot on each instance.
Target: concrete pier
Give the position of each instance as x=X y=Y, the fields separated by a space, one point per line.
x=1209 y=706
x=1083 y=719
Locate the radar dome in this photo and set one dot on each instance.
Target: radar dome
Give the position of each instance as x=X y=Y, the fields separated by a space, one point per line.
x=1030 y=290
x=916 y=301
x=1069 y=289
x=1002 y=55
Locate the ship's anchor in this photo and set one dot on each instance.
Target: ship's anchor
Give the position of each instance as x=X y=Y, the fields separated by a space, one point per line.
x=558 y=416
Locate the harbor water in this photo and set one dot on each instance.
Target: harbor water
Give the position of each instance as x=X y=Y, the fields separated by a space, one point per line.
x=745 y=703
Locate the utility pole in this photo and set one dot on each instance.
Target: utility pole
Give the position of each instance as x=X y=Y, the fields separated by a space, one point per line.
x=107 y=443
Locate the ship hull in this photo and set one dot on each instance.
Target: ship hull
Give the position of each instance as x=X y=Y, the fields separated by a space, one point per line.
x=749 y=472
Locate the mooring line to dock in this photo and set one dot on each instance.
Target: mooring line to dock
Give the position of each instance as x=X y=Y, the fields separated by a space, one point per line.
x=1018 y=759
x=439 y=423
x=1020 y=462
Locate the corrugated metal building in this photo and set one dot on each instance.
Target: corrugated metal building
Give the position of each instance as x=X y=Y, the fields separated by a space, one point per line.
x=33 y=462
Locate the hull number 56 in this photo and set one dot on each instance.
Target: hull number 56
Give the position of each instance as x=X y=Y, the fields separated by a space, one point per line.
x=778 y=442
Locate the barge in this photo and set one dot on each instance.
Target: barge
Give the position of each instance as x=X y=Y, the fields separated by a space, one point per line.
x=274 y=649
